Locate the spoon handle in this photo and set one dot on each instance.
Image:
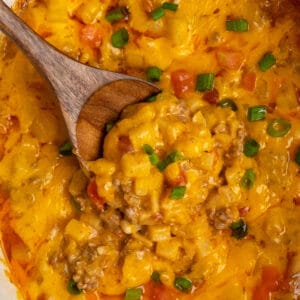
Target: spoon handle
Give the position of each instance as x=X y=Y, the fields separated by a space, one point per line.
x=63 y=72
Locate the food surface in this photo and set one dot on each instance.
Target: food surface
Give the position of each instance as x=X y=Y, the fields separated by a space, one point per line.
x=197 y=194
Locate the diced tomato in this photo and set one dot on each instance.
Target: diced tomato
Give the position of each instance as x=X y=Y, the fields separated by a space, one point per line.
x=243 y=211
x=248 y=81
x=153 y=291
x=212 y=96
x=94 y=196
x=182 y=82
x=180 y=180
x=296 y=201
x=230 y=59
x=270 y=280
x=125 y=144
x=91 y=35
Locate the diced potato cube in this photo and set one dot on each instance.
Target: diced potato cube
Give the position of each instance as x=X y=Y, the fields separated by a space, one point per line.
x=102 y=166
x=168 y=249
x=175 y=211
x=135 y=164
x=78 y=183
x=137 y=268
x=173 y=173
x=79 y=231
x=159 y=232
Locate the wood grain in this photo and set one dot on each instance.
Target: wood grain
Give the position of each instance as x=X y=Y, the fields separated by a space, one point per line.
x=74 y=83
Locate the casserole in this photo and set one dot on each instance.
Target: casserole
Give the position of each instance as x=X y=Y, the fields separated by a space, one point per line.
x=197 y=193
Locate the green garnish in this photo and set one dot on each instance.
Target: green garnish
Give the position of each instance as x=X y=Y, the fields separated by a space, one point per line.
x=120 y=38
x=65 y=149
x=238 y=25
x=133 y=294
x=154 y=159
x=151 y=99
x=116 y=14
x=109 y=125
x=172 y=157
x=183 y=284
x=248 y=179
x=228 y=103
x=178 y=192
x=170 y=6
x=251 y=147
x=156 y=277
x=239 y=229
x=153 y=74
x=267 y=61
x=278 y=127
x=256 y=113
x=73 y=288
x=297 y=156
x=205 y=82
x=157 y=13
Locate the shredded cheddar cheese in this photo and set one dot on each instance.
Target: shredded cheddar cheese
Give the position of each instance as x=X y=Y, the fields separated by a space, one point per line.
x=197 y=194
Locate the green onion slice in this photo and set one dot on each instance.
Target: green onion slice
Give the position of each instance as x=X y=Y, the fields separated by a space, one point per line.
x=172 y=157
x=133 y=294
x=153 y=74
x=178 y=192
x=278 y=127
x=228 y=103
x=266 y=62
x=156 y=277
x=256 y=113
x=297 y=156
x=170 y=6
x=66 y=149
x=153 y=157
x=120 y=38
x=116 y=14
x=148 y=149
x=238 y=25
x=151 y=99
x=73 y=288
x=183 y=284
x=109 y=125
x=157 y=13
x=239 y=229
x=248 y=179
x=205 y=82
x=251 y=147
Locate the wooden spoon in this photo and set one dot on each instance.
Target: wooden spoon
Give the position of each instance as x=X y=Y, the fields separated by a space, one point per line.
x=89 y=97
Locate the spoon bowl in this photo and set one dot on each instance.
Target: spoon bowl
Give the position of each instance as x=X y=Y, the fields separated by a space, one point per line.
x=89 y=97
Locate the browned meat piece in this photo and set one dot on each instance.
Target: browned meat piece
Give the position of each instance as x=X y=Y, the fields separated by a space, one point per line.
x=220 y=218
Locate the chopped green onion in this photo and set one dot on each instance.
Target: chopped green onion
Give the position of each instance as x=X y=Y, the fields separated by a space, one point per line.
x=116 y=14
x=256 y=113
x=148 y=149
x=156 y=277
x=228 y=103
x=73 y=288
x=65 y=149
x=238 y=25
x=239 y=229
x=157 y=13
x=251 y=147
x=278 y=127
x=133 y=294
x=153 y=74
x=205 y=82
x=178 y=192
x=267 y=61
x=109 y=125
x=154 y=159
x=120 y=38
x=172 y=157
x=170 y=6
x=248 y=179
x=297 y=156
x=151 y=99
x=75 y=204
x=183 y=284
